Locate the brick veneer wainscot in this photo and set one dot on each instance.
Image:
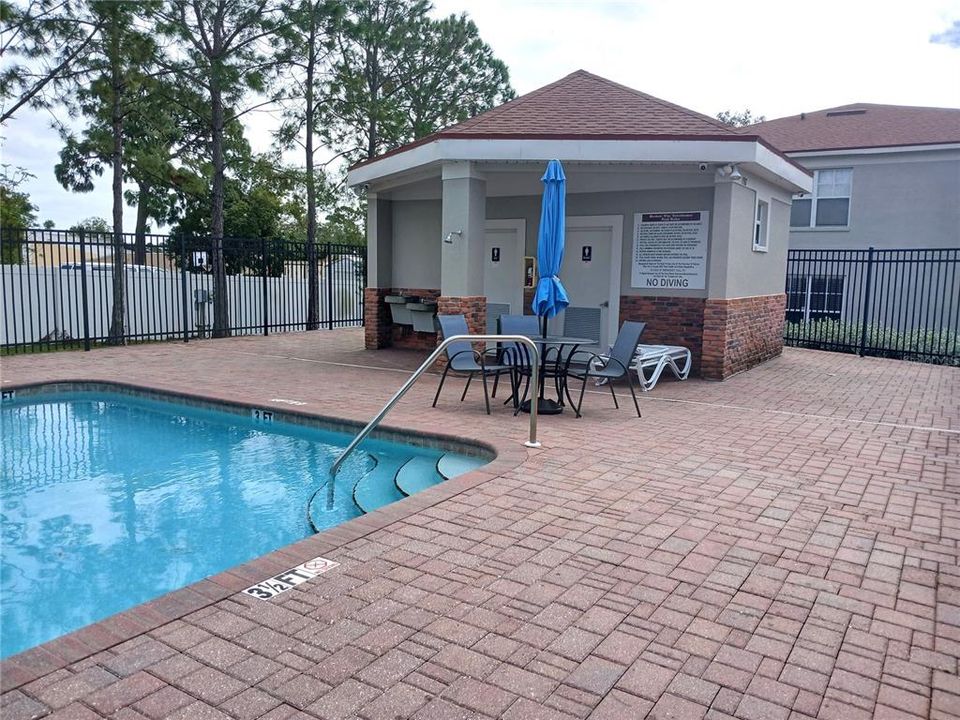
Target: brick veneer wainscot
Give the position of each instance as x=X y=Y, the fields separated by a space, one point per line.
x=724 y=336
x=376 y=318
x=739 y=333
x=379 y=330
x=472 y=307
x=670 y=321
x=404 y=336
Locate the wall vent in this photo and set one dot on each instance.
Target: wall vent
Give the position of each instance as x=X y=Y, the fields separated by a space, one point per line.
x=841 y=113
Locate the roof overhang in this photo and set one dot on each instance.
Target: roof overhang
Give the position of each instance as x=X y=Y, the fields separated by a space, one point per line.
x=750 y=152
x=875 y=150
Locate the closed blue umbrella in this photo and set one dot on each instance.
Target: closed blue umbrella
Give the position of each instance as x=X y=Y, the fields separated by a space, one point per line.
x=551 y=297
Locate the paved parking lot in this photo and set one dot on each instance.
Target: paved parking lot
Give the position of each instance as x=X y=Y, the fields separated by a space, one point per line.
x=780 y=545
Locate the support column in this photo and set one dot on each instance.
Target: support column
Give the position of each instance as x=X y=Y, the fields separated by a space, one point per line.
x=379 y=272
x=463 y=234
x=742 y=319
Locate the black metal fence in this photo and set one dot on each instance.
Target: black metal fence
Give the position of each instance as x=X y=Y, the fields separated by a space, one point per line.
x=901 y=304
x=59 y=287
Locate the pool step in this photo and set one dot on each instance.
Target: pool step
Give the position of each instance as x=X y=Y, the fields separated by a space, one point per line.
x=377 y=487
x=319 y=513
x=450 y=466
x=418 y=473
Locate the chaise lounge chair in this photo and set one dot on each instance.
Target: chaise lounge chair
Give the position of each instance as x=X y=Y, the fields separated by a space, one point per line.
x=651 y=360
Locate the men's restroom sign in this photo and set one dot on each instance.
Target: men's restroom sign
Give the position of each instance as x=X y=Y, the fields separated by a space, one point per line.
x=670 y=250
x=586 y=253
x=289 y=579
x=495 y=254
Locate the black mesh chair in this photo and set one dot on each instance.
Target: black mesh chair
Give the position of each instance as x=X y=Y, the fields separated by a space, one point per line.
x=462 y=358
x=584 y=365
x=518 y=355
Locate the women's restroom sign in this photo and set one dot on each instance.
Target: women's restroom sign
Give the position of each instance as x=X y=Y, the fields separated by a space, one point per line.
x=670 y=250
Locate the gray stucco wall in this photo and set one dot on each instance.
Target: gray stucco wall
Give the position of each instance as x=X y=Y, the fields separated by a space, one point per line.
x=416 y=244
x=749 y=272
x=609 y=203
x=416 y=226
x=896 y=203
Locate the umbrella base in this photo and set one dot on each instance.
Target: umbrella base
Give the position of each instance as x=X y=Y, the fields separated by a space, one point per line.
x=545 y=406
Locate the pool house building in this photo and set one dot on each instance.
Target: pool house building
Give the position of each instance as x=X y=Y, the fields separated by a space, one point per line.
x=672 y=218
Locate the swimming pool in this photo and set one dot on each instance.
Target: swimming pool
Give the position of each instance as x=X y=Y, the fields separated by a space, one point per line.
x=111 y=499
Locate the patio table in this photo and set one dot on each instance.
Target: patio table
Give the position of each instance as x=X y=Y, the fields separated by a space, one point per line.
x=545 y=405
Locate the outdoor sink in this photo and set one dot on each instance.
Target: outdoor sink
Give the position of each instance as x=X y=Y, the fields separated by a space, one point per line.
x=399 y=308
x=422 y=315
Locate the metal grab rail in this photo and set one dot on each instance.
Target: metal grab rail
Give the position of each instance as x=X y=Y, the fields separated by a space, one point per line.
x=535 y=380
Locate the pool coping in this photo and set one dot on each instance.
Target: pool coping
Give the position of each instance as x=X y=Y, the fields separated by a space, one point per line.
x=36 y=662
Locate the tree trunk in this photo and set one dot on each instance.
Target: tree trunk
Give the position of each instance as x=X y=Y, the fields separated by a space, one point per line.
x=373 y=87
x=221 y=305
x=140 y=237
x=117 y=334
x=313 y=275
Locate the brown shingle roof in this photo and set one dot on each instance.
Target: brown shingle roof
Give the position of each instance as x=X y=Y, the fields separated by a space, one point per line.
x=583 y=104
x=861 y=125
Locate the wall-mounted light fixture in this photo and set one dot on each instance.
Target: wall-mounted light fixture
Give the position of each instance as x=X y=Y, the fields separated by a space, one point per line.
x=729 y=172
x=448 y=238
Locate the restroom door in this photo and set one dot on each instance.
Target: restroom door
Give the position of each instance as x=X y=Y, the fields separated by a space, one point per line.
x=591 y=275
x=503 y=269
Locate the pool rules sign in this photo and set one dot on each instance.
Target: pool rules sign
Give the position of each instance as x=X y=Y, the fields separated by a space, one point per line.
x=670 y=250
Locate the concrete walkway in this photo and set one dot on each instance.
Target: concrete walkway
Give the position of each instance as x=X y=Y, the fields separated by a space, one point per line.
x=780 y=545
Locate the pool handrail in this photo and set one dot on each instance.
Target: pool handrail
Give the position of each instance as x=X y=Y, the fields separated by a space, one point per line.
x=532 y=442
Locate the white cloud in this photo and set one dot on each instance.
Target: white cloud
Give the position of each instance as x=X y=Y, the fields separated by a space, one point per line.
x=775 y=58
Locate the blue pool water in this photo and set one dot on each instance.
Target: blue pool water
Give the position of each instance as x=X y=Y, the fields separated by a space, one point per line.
x=109 y=500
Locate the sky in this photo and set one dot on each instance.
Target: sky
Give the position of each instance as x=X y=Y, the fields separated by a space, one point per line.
x=773 y=57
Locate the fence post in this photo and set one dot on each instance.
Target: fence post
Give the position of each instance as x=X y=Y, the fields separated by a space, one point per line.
x=329 y=286
x=83 y=290
x=865 y=316
x=183 y=289
x=263 y=266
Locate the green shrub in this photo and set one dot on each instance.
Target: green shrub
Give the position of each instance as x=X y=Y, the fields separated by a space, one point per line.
x=940 y=347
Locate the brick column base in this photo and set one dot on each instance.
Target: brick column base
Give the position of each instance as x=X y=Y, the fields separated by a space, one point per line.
x=740 y=333
x=376 y=318
x=472 y=307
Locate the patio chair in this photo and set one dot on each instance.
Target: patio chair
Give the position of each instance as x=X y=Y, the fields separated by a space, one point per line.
x=462 y=358
x=518 y=355
x=610 y=367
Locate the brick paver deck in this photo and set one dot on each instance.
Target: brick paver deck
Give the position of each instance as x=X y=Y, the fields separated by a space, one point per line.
x=780 y=545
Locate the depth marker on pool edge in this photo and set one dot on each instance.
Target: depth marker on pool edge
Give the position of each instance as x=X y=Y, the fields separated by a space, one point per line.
x=288 y=579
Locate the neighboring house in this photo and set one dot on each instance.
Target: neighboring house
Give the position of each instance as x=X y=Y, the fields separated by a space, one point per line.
x=673 y=219
x=884 y=176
